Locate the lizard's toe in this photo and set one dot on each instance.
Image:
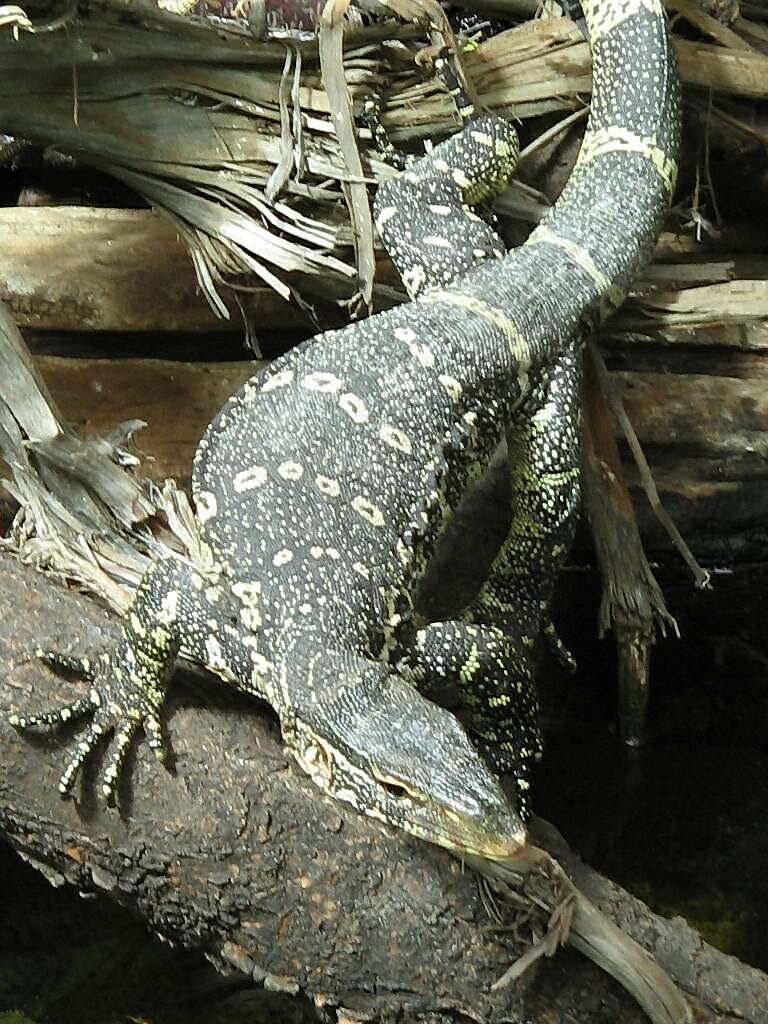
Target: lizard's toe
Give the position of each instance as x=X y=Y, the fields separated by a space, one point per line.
x=76 y=709
x=154 y=733
x=82 y=751
x=124 y=735
x=69 y=664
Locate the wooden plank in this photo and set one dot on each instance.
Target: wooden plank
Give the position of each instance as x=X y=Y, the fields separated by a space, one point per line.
x=177 y=401
x=734 y=72
x=730 y=300
x=83 y=269
x=643 y=331
x=710 y=416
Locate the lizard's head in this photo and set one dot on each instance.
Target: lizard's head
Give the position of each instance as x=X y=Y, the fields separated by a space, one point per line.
x=370 y=739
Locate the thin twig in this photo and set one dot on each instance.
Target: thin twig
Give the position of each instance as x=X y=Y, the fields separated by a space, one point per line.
x=648 y=484
x=551 y=133
x=707 y=168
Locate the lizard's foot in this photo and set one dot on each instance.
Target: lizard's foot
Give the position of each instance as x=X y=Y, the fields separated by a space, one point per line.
x=127 y=686
x=120 y=701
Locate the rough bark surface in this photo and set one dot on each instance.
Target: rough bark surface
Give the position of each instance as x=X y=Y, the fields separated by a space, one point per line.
x=236 y=854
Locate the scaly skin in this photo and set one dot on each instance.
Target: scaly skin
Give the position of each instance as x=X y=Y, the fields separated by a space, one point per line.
x=323 y=485
x=489 y=656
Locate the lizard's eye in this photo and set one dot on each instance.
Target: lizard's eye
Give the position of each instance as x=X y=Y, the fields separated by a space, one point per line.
x=398 y=792
x=395 y=789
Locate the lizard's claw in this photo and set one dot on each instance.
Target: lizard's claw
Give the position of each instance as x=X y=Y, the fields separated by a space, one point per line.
x=124 y=734
x=82 y=750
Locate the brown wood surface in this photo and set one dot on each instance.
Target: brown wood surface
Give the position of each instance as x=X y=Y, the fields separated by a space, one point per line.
x=176 y=400
x=81 y=269
x=236 y=854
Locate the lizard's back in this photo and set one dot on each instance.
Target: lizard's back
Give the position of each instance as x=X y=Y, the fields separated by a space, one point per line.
x=343 y=447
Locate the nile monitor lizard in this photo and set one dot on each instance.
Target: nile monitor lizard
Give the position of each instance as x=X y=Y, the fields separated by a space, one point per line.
x=492 y=667
x=323 y=484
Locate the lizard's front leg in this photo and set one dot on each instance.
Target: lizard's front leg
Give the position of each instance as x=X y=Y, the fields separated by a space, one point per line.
x=544 y=457
x=128 y=685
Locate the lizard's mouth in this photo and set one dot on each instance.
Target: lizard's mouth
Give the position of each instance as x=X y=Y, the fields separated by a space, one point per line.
x=499 y=837
x=486 y=826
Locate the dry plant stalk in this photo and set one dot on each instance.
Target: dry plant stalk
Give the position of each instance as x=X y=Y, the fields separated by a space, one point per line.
x=237 y=141
x=85 y=514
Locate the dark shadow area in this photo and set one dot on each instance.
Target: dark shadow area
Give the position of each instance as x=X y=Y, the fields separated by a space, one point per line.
x=680 y=822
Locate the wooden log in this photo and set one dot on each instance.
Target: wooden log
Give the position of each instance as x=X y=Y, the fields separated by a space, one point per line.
x=82 y=269
x=235 y=854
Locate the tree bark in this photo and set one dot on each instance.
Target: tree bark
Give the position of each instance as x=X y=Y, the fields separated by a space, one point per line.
x=236 y=854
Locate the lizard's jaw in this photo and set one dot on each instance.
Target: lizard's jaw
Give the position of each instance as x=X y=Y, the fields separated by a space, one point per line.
x=496 y=833
x=490 y=847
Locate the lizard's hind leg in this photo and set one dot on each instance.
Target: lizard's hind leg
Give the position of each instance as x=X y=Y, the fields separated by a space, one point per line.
x=544 y=458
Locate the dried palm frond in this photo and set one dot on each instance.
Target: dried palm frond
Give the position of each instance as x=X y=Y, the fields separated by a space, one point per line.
x=255 y=154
